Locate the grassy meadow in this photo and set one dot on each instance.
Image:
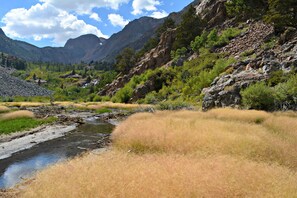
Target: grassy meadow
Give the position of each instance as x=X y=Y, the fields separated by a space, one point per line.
x=220 y=153
x=15 y=121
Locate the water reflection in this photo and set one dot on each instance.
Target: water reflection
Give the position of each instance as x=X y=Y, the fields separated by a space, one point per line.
x=21 y=170
x=25 y=163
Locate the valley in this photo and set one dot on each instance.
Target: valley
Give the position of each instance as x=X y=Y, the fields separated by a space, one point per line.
x=199 y=103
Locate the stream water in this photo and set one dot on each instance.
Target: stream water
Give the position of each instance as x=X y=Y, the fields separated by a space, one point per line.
x=24 y=164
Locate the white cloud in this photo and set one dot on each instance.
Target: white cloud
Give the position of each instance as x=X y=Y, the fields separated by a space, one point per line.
x=84 y=6
x=46 y=21
x=117 y=20
x=147 y=5
x=159 y=14
x=95 y=16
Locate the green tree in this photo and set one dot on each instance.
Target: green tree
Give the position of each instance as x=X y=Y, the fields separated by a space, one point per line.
x=168 y=23
x=125 y=60
x=243 y=9
x=190 y=27
x=282 y=13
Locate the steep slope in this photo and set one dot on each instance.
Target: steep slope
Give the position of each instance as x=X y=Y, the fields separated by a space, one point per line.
x=134 y=35
x=11 y=86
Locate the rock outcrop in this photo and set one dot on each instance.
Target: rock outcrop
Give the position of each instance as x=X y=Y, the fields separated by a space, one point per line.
x=212 y=11
x=225 y=90
x=157 y=57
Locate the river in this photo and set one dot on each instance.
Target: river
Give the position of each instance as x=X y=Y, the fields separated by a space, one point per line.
x=26 y=163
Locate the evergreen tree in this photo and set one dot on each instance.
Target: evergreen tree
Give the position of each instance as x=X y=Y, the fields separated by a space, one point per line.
x=125 y=60
x=282 y=13
x=190 y=27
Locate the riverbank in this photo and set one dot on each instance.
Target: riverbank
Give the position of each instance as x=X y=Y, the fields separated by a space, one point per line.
x=25 y=140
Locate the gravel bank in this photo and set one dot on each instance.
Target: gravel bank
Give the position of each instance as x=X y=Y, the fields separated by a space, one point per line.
x=12 y=86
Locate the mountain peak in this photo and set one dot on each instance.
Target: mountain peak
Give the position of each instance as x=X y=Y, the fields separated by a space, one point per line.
x=2 y=32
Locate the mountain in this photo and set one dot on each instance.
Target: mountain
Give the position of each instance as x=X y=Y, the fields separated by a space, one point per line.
x=89 y=47
x=134 y=35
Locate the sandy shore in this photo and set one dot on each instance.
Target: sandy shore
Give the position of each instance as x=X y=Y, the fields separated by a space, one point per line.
x=24 y=140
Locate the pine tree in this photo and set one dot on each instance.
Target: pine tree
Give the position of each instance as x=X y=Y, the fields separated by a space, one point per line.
x=190 y=27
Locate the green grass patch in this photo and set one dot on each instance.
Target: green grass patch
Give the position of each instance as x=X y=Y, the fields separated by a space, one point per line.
x=103 y=110
x=22 y=124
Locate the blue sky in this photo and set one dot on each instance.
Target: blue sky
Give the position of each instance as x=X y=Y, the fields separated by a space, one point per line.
x=53 y=22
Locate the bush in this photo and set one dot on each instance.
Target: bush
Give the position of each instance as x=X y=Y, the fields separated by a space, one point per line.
x=213 y=39
x=123 y=95
x=173 y=105
x=258 y=96
x=286 y=94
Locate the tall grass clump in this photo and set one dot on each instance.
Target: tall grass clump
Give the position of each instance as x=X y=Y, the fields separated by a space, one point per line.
x=17 y=114
x=4 y=109
x=118 y=174
x=252 y=116
x=205 y=134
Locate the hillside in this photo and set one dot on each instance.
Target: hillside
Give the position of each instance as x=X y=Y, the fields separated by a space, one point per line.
x=221 y=63
x=11 y=86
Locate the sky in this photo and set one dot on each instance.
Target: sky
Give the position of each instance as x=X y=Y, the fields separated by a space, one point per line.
x=53 y=22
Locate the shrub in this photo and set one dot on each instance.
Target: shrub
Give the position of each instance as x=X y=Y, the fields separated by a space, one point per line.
x=179 y=53
x=286 y=94
x=213 y=39
x=123 y=95
x=258 y=96
x=173 y=105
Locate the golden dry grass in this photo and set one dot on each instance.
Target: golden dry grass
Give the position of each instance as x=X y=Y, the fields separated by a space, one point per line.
x=4 y=109
x=17 y=114
x=239 y=115
x=221 y=153
x=23 y=104
x=117 y=174
x=101 y=105
x=207 y=134
x=116 y=105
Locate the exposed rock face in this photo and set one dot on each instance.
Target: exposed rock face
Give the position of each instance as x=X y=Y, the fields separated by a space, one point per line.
x=12 y=86
x=225 y=90
x=157 y=57
x=212 y=11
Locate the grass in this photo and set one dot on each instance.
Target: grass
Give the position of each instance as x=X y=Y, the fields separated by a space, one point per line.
x=220 y=153
x=118 y=174
x=23 y=104
x=4 y=109
x=22 y=124
x=103 y=110
x=78 y=105
x=17 y=114
x=237 y=134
